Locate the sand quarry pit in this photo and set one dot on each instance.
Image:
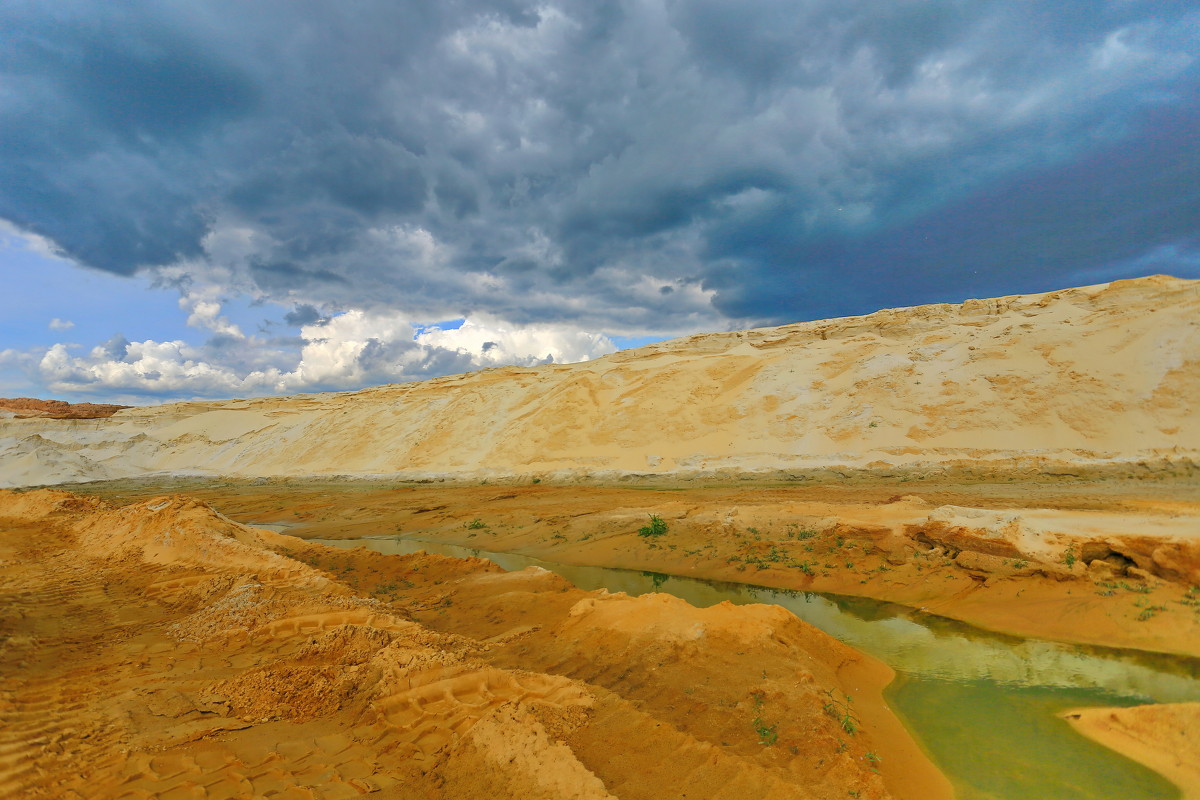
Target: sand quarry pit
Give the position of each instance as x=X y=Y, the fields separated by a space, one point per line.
x=161 y=650
x=244 y=598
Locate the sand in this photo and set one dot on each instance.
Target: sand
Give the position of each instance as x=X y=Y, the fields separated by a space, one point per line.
x=1165 y=738
x=992 y=555
x=162 y=650
x=1102 y=374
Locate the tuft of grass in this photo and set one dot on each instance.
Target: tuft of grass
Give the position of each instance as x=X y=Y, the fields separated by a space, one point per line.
x=656 y=527
x=475 y=525
x=1069 y=557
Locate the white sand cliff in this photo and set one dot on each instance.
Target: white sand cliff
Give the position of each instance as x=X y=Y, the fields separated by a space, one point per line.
x=1094 y=375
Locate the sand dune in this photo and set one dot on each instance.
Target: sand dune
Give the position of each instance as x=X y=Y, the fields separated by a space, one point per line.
x=1095 y=375
x=161 y=650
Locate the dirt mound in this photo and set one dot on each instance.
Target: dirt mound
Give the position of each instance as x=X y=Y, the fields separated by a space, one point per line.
x=162 y=650
x=1054 y=382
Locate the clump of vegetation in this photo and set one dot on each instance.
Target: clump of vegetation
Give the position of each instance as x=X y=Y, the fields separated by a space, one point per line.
x=1148 y=611
x=475 y=525
x=767 y=734
x=795 y=532
x=1069 y=558
x=657 y=527
x=841 y=711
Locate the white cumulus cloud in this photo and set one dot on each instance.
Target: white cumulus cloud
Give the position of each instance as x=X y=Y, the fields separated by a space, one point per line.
x=350 y=350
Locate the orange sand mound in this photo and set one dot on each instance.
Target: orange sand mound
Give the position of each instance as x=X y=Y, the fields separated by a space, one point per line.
x=162 y=650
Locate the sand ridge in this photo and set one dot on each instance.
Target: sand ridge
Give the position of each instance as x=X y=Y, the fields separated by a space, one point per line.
x=161 y=650
x=1093 y=375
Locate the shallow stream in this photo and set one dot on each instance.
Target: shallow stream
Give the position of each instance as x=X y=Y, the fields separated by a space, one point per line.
x=982 y=704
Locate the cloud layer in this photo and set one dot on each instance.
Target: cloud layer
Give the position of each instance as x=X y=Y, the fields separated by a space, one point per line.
x=648 y=166
x=353 y=349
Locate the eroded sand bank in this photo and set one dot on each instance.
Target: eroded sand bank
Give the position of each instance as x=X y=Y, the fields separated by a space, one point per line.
x=160 y=649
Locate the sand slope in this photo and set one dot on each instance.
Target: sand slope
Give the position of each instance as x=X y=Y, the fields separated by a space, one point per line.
x=1096 y=374
x=161 y=650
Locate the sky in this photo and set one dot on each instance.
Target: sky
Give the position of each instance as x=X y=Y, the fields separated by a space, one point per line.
x=213 y=198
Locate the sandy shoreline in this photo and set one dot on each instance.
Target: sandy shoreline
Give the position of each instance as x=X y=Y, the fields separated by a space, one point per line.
x=1165 y=738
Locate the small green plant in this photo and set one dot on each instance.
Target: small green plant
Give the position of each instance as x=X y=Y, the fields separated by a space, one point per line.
x=656 y=527
x=1069 y=558
x=841 y=711
x=1148 y=611
x=767 y=735
x=475 y=525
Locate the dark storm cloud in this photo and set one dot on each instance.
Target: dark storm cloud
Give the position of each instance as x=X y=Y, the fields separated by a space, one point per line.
x=1029 y=231
x=603 y=162
x=302 y=315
